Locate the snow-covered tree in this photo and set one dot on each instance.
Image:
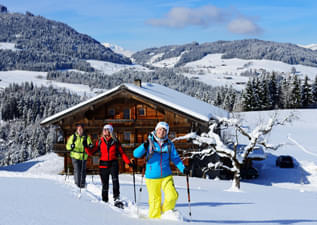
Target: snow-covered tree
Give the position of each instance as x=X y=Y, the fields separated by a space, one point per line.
x=306 y=94
x=211 y=142
x=314 y=91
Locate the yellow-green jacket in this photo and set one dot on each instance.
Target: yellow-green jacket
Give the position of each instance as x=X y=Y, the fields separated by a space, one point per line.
x=77 y=152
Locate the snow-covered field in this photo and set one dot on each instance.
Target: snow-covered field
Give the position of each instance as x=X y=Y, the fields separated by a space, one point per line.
x=8 y=46
x=215 y=71
x=310 y=46
x=33 y=193
x=111 y=68
x=39 y=78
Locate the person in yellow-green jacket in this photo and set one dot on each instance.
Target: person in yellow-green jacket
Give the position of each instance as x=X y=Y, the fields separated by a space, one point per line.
x=76 y=144
x=159 y=152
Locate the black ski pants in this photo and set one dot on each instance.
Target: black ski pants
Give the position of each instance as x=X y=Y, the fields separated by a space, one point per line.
x=113 y=169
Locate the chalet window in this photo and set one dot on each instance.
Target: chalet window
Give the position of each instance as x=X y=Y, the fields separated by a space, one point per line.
x=111 y=112
x=126 y=136
x=126 y=114
x=142 y=111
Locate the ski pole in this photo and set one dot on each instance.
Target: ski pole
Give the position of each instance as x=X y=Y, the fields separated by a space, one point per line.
x=188 y=193
x=134 y=181
x=82 y=171
x=66 y=172
x=139 y=198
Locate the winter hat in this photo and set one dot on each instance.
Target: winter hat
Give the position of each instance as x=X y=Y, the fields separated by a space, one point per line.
x=163 y=125
x=80 y=125
x=108 y=127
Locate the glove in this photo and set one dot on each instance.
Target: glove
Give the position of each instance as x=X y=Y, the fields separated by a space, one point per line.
x=133 y=165
x=90 y=146
x=85 y=143
x=72 y=146
x=146 y=144
x=186 y=171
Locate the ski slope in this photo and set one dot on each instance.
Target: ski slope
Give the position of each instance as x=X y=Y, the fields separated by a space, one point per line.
x=33 y=193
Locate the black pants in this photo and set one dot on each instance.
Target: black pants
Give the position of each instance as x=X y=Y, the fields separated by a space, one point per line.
x=113 y=169
x=79 y=172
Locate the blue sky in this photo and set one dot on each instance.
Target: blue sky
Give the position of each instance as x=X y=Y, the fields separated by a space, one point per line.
x=139 y=24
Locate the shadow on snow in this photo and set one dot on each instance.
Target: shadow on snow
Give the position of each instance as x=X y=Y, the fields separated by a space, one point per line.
x=270 y=174
x=21 y=167
x=282 y=222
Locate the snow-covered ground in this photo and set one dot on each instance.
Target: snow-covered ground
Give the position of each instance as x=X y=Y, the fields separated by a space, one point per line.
x=310 y=46
x=39 y=78
x=8 y=46
x=33 y=193
x=215 y=71
x=110 y=68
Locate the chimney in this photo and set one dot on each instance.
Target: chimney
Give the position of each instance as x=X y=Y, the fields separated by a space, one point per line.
x=138 y=82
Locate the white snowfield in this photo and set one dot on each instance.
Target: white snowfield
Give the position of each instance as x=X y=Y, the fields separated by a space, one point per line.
x=39 y=78
x=33 y=194
x=8 y=46
x=215 y=71
x=310 y=46
x=110 y=68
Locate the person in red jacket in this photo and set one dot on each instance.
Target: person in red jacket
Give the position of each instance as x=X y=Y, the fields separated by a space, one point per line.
x=109 y=147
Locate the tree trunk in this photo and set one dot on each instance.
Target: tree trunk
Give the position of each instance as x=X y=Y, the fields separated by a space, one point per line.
x=236 y=179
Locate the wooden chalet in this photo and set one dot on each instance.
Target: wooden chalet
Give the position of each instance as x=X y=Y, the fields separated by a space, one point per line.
x=133 y=110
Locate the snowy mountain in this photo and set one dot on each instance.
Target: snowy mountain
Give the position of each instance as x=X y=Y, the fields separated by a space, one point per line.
x=231 y=62
x=242 y=49
x=34 y=193
x=310 y=46
x=45 y=45
x=118 y=49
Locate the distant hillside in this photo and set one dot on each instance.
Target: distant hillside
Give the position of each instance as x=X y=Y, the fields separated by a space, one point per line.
x=243 y=49
x=43 y=44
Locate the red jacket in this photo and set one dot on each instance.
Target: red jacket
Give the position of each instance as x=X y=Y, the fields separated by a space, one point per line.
x=109 y=150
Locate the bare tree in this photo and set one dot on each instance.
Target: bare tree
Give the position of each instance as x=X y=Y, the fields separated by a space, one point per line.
x=212 y=142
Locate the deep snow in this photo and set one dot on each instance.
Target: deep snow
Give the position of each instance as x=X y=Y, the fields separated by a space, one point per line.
x=33 y=193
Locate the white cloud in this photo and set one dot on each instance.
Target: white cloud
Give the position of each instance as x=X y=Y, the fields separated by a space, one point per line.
x=244 y=26
x=180 y=17
x=206 y=16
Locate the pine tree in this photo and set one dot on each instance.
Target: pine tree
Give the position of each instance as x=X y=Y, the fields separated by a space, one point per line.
x=248 y=98
x=314 y=91
x=306 y=94
x=295 y=94
x=229 y=100
x=274 y=90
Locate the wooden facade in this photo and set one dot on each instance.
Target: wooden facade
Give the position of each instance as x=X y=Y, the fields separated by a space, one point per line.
x=133 y=117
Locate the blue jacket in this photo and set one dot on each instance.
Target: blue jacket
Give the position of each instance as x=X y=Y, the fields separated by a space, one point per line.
x=158 y=163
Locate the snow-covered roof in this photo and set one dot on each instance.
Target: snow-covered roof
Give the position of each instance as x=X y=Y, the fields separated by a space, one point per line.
x=161 y=94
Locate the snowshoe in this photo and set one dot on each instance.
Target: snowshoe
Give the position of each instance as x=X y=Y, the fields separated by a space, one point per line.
x=119 y=204
x=173 y=214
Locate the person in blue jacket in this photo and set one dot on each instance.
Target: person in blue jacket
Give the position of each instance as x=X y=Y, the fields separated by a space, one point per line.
x=159 y=152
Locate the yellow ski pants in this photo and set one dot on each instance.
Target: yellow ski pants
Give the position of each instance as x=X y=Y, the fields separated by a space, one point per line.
x=154 y=187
